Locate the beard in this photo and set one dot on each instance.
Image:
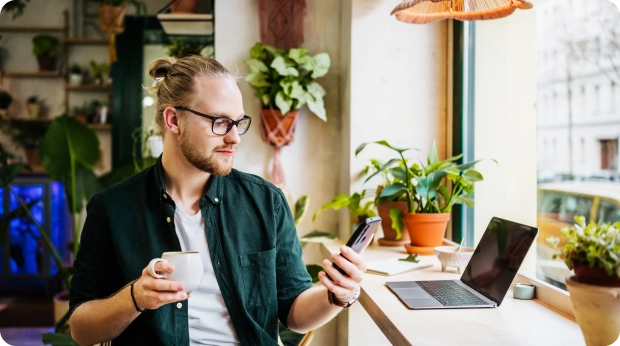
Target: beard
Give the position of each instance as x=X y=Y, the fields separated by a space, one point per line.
x=209 y=164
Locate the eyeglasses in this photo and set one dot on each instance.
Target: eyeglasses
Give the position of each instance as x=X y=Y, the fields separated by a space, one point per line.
x=222 y=125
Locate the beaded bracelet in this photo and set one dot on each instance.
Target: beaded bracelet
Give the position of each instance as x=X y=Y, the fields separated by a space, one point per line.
x=134 y=298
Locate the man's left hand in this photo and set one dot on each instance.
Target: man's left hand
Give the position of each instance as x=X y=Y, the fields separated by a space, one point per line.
x=344 y=287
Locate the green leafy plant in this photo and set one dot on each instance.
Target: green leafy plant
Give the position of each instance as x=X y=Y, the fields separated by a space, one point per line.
x=434 y=187
x=75 y=69
x=68 y=151
x=594 y=245
x=286 y=80
x=16 y=7
x=26 y=134
x=45 y=45
x=180 y=48
x=355 y=203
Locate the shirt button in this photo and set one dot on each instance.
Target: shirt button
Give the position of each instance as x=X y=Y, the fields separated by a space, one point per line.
x=218 y=263
x=216 y=200
x=179 y=305
x=168 y=219
x=165 y=196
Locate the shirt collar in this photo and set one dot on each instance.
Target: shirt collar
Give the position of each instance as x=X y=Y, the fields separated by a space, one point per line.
x=214 y=194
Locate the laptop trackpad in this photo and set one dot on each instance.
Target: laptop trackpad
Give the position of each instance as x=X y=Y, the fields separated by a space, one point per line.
x=413 y=295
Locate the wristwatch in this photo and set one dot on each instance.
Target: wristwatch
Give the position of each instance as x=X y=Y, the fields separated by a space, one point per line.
x=334 y=301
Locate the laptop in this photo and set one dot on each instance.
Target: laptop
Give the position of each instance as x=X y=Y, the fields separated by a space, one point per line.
x=485 y=280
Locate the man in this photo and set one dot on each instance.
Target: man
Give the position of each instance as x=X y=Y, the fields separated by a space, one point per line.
x=192 y=200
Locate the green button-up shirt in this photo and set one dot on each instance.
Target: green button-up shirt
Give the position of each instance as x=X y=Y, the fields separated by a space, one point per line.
x=252 y=241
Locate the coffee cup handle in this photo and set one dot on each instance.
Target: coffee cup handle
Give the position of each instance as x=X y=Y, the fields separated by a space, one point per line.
x=151 y=268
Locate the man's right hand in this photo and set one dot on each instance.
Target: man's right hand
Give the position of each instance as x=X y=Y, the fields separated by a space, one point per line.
x=151 y=293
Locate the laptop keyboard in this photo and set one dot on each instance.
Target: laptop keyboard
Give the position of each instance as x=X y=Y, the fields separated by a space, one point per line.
x=449 y=293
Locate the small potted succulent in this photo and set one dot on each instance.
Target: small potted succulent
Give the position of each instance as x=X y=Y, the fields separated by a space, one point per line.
x=75 y=74
x=45 y=48
x=592 y=251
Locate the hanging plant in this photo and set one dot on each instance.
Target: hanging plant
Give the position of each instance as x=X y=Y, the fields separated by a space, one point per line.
x=16 y=7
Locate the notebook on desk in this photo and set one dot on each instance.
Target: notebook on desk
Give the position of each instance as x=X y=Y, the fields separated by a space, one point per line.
x=486 y=278
x=395 y=266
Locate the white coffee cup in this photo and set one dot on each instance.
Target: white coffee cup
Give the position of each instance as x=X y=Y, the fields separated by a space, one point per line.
x=188 y=268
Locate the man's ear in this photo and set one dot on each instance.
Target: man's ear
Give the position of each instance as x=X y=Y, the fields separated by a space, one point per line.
x=171 y=120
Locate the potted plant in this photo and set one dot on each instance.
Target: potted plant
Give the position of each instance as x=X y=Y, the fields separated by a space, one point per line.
x=430 y=191
x=180 y=48
x=390 y=208
x=69 y=151
x=358 y=208
x=80 y=113
x=75 y=75
x=285 y=82
x=45 y=48
x=5 y=100
x=33 y=107
x=15 y=6
x=27 y=135
x=592 y=251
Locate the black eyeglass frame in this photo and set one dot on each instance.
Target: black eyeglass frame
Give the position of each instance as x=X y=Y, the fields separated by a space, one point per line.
x=214 y=119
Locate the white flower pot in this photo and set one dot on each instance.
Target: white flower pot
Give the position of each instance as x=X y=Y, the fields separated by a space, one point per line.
x=75 y=79
x=156 y=145
x=597 y=310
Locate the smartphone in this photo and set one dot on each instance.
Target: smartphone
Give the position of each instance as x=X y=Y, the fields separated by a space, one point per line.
x=361 y=237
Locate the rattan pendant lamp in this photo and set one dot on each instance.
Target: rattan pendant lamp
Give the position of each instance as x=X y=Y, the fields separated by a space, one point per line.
x=428 y=11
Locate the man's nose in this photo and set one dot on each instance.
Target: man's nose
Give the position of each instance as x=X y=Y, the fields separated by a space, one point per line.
x=232 y=137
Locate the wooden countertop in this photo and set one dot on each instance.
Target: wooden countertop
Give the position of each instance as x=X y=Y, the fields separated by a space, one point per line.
x=515 y=322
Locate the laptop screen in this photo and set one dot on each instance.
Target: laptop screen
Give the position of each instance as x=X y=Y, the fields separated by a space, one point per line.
x=497 y=258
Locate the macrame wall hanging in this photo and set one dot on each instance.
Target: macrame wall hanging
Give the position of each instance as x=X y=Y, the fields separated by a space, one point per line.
x=112 y=19
x=428 y=11
x=281 y=25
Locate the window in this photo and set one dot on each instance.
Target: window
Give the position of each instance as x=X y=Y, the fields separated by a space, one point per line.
x=609 y=154
x=608 y=211
x=581 y=166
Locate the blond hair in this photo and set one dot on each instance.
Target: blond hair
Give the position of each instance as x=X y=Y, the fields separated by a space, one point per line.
x=176 y=81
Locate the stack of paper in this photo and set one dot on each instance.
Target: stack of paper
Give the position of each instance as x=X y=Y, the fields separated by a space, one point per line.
x=393 y=266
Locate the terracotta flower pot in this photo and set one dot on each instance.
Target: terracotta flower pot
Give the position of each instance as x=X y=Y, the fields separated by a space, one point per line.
x=595 y=276
x=277 y=130
x=185 y=6
x=597 y=310
x=426 y=230
x=389 y=234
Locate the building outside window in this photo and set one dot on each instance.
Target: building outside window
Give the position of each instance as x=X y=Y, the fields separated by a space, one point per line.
x=582 y=119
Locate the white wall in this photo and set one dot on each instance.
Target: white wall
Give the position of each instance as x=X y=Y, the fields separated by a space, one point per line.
x=311 y=162
x=505 y=122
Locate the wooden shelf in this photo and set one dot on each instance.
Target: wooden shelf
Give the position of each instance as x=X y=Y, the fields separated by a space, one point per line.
x=86 y=41
x=88 y=87
x=100 y=126
x=35 y=74
x=35 y=29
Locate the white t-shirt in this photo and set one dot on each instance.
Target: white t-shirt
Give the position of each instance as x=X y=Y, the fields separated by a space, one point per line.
x=209 y=322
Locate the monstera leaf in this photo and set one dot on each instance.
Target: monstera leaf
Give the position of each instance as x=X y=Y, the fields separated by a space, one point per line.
x=69 y=150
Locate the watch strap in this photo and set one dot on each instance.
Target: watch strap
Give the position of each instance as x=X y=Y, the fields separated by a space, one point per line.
x=335 y=301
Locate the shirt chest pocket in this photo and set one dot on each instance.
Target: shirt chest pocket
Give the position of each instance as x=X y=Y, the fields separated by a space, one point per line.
x=259 y=277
